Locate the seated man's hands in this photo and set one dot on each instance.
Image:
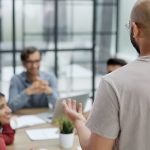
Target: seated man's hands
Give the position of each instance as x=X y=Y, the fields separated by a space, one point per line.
x=74 y=111
x=48 y=90
x=39 y=86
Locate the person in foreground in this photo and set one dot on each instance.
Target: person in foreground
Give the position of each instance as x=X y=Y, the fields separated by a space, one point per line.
x=115 y=63
x=120 y=115
x=6 y=132
x=32 y=88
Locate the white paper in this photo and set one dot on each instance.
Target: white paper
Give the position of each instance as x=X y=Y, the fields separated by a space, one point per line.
x=43 y=134
x=26 y=120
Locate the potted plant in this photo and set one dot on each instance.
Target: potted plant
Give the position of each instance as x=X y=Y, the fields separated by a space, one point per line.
x=66 y=137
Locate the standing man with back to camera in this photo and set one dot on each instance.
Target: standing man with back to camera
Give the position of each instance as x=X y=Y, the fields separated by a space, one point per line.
x=120 y=117
x=32 y=88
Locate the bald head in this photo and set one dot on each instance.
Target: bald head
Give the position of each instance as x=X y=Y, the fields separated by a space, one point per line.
x=141 y=15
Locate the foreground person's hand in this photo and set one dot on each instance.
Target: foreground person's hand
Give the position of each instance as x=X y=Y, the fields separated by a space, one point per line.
x=74 y=111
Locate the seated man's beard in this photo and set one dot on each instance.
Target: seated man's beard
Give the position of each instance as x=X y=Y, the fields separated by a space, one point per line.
x=134 y=43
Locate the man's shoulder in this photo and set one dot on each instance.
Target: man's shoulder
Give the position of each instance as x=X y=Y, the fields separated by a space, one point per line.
x=122 y=74
x=124 y=70
x=18 y=76
x=118 y=72
x=46 y=74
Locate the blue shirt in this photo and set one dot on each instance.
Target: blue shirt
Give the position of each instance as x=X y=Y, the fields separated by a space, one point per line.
x=19 y=99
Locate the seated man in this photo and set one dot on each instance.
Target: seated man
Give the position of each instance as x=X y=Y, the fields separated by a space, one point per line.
x=32 y=88
x=6 y=132
x=115 y=63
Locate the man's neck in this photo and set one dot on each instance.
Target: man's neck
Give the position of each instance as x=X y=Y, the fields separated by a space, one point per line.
x=31 y=77
x=145 y=48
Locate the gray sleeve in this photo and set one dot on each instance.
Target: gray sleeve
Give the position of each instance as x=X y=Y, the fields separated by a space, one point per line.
x=104 y=119
x=53 y=84
x=17 y=99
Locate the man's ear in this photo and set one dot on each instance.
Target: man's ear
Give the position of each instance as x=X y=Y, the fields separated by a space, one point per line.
x=136 y=30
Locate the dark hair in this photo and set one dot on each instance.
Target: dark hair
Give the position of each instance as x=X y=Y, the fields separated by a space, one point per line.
x=27 y=51
x=2 y=95
x=116 y=61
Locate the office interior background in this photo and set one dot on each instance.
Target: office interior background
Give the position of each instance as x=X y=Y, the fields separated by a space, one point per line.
x=76 y=37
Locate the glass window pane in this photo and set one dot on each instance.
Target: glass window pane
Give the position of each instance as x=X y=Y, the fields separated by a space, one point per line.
x=126 y=49
x=47 y=62
x=74 y=71
x=105 y=48
x=6 y=72
x=106 y=1
x=34 y=23
x=6 y=24
x=72 y=29
x=106 y=18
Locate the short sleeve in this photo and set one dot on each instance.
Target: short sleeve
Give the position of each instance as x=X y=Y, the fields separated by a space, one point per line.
x=104 y=118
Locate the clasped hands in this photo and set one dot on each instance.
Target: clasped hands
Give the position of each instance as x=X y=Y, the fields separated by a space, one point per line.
x=39 y=86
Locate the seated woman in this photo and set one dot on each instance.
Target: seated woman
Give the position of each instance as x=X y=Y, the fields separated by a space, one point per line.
x=6 y=132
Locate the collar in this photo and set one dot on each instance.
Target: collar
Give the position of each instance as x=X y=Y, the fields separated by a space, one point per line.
x=144 y=58
x=24 y=76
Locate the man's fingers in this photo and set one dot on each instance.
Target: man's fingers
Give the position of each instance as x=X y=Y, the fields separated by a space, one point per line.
x=64 y=105
x=69 y=103
x=40 y=81
x=37 y=78
x=74 y=105
x=80 y=109
x=44 y=82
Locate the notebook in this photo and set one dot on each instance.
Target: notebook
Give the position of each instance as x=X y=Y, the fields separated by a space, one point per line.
x=25 y=121
x=43 y=134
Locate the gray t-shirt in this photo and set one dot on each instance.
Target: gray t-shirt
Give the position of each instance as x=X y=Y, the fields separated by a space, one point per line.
x=122 y=106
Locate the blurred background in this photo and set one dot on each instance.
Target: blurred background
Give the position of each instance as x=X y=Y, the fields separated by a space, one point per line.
x=76 y=38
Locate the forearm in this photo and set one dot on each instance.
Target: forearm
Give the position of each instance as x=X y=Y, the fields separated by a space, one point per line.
x=18 y=101
x=83 y=133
